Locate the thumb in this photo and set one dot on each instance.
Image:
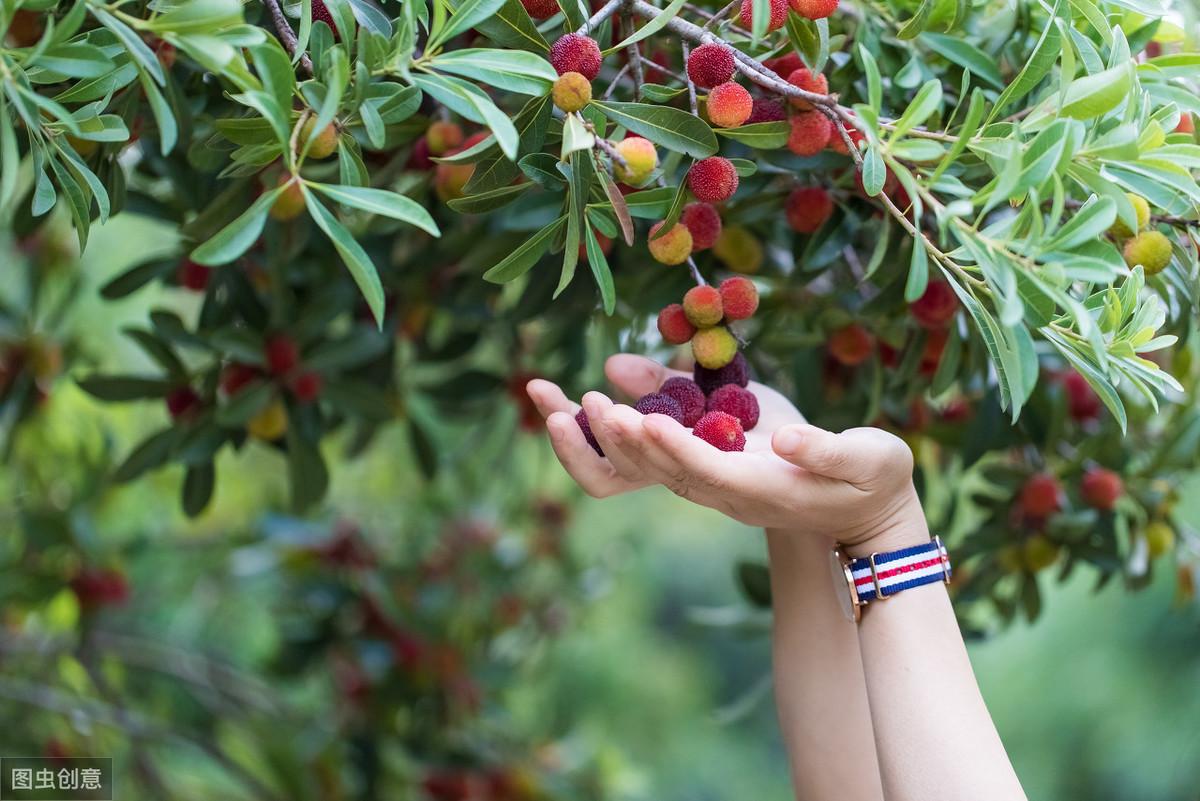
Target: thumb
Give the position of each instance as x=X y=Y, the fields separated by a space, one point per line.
x=635 y=375
x=859 y=455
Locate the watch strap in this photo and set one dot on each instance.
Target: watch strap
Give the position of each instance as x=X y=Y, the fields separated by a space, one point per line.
x=882 y=575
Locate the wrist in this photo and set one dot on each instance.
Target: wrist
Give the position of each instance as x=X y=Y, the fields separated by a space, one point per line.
x=902 y=526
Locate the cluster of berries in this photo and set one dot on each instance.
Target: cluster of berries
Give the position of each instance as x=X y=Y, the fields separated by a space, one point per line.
x=711 y=180
x=1145 y=246
x=701 y=319
x=714 y=403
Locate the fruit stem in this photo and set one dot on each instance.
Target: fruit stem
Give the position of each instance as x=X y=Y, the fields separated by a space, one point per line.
x=691 y=86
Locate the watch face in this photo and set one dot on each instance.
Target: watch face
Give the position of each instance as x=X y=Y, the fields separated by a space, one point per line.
x=842 y=582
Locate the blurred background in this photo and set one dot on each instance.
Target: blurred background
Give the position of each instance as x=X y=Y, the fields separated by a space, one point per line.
x=487 y=634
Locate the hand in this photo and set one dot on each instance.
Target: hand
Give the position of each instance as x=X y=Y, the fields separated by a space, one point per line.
x=854 y=487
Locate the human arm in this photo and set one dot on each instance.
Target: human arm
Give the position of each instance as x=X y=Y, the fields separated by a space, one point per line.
x=819 y=685
x=934 y=737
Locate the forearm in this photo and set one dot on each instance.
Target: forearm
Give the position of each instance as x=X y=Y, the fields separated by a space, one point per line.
x=820 y=690
x=934 y=735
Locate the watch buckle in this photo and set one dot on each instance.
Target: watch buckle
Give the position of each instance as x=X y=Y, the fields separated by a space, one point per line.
x=879 y=595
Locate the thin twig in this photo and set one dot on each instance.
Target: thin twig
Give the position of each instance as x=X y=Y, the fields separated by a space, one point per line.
x=284 y=29
x=696 y=276
x=616 y=81
x=597 y=19
x=609 y=150
x=635 y=59
x=715 y=18
x=691 y=86
x=651 y=64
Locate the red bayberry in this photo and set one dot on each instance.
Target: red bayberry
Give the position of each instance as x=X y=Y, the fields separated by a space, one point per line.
x=235 y=376
x=182 y=402
x=766 y=109
x=674 y=325
x=1100 y=488
x=809 y=81
x=702 y=305
x=1082 y=401
x=721 y=430
x=307 y=386
x=193 y=276
x=936 y=307
x=576 y=53
x=739 y=298
x=541 y=9
x=660 y=403
x=710 y=65
x=713 y=180
x=779 y=12
x=1040 y=497
x=736 y=401
x=810 y=133
x=282 y=354
x=585 y=426
x=690 y=397
x=703 y=221
x=98 y=587
x=807 y=208
x=851 y=345
x=736 y=372
x=814 y=9
x=729 y=105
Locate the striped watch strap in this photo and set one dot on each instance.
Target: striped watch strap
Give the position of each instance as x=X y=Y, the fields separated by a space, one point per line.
x=883 y=575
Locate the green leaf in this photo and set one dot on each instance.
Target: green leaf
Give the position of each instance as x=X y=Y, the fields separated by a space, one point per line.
x=474 y=104
x=381 y=202
x=874 y=82
x=198 y=485
x=653 y=26
x=1089 y=222
x=1045 y=55
x=600 y=271
x=874 y=172
x=918 y=271
x=117 y=388
x=525 y=256
x=759 y=135
x=512 y=27
x=926 y=102
x=356 y=259
x=307 y=473
x=965 y=55
x=670 y=127
x=236 y=238
x=76 y=60
x=133 y=43
x=249 y=401
x=575 y=136
x=513 y=70
x=152 y=452
x=919 y=21
x=490 y=200
x=466 y=15
x=135 y=278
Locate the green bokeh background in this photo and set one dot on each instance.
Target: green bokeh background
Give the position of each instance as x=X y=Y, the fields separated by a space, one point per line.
x=1097 y=700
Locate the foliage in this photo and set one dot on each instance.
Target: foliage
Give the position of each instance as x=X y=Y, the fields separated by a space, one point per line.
x=361 y=261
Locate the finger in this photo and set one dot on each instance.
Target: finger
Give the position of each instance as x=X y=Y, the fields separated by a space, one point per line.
x=590 y=471
x=636 y=375
x=549 y=398
x=860 y=456
x=605 y=417
x=702 y=473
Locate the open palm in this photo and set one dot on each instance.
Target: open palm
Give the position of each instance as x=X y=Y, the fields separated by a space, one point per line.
x=849 y=486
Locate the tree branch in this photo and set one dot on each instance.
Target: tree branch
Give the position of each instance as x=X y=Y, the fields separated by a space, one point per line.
x=287 y=35
x=597 y=19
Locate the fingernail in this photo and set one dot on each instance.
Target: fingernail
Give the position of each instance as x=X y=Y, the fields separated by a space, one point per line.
x=788 y=441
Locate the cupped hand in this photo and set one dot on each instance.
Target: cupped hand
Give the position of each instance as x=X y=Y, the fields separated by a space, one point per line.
x=853 y=487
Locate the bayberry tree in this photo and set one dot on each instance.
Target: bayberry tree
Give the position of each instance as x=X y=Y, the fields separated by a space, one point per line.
x=975 y=224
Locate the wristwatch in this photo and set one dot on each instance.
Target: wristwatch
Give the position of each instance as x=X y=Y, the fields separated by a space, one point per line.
x=879 y=576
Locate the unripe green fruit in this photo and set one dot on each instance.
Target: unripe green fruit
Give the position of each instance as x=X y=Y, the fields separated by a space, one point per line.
x=1141 y=208
x=673 y=247
x=1151 y=249
x=290 y=203
x=326 y=141
x=1040 y=553
x=572 y=92
x=739 y=249
x=714 y=347
x=1160 y=538
x=640 y=160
